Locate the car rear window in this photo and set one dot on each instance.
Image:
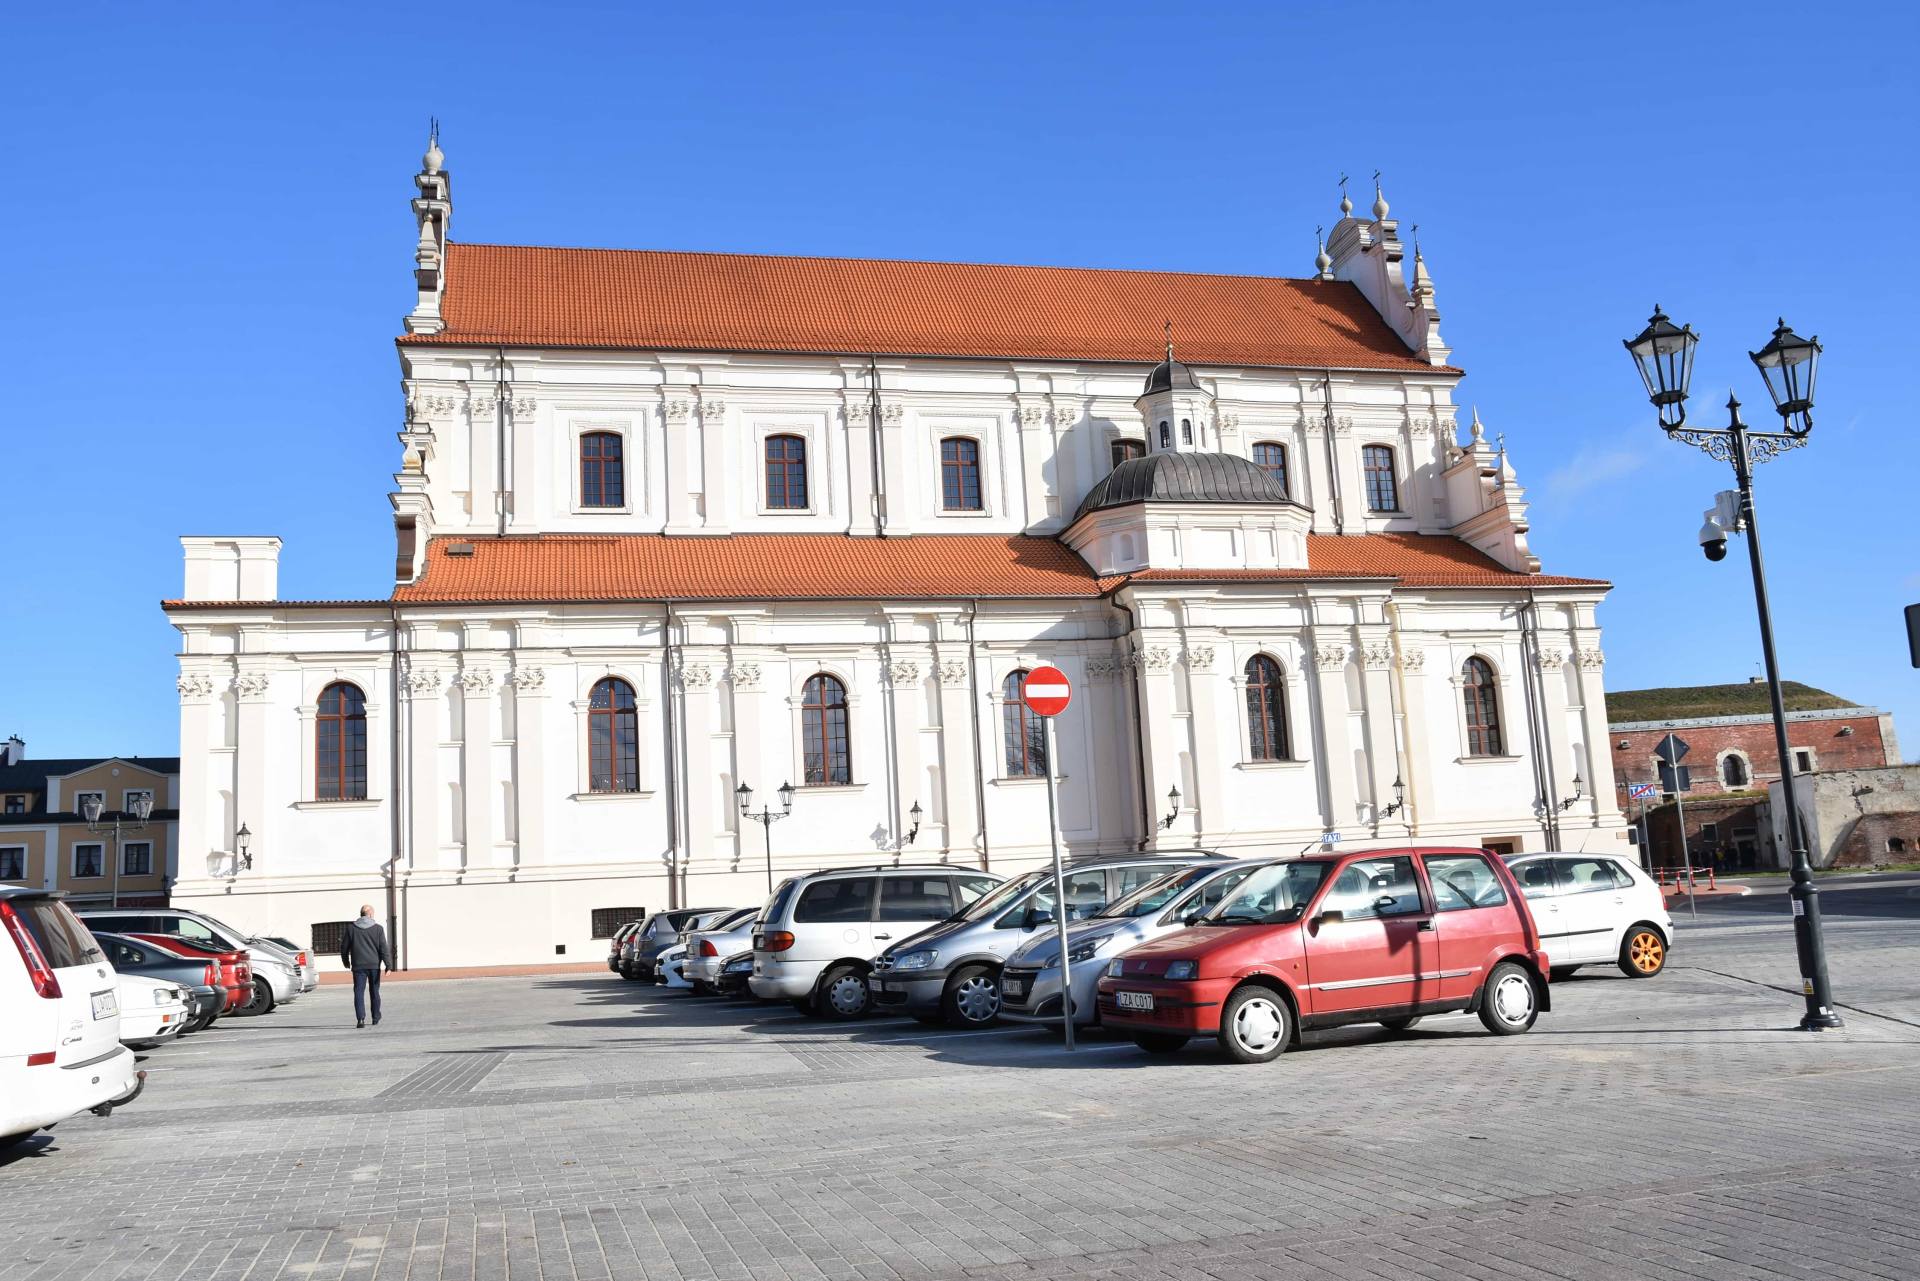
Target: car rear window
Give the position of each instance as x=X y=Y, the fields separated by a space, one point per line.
x=63 y=940
x=778 y=903
x=1463 y=881
x=847 y=899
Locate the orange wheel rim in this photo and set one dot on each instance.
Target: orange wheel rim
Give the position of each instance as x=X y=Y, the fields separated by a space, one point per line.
x=1647 y=952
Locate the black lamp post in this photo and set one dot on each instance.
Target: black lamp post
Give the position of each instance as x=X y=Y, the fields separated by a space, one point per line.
x=766 y=818
x=1173 y=800
x=1664 y=355
x=1399 y=801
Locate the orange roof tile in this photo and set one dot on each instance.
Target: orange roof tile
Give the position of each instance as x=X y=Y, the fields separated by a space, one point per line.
x=1424 y=560
x=625 y=298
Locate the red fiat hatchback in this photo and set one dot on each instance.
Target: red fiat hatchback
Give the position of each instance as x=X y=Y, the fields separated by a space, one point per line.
x=1382 y=936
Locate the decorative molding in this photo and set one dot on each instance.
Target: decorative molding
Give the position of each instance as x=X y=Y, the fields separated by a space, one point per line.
x=1549 y=658
x=677 y=409
x=1412 y=658
x=423 y=680
x=1032 y=415
x=1378 y=655
x=695 y=676
x=744 y=675
x=892 y=413
x=431 y=404
x=528 y=679
x=193 y=685
x=952 y=671
x=1200 y=658
x=476 y=680
x=250 y=684
x=1331 y=656
x=903 y=672
x=1591 y=660
x=1154 y=658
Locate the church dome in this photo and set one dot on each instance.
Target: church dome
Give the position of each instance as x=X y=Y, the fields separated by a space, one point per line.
x=1170 y=375
x=1183 y=477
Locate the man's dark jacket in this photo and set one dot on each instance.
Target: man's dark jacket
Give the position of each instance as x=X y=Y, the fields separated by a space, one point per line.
x=363 y=946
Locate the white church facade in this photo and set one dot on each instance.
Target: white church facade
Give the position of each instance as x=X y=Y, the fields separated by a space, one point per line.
x=671 y=524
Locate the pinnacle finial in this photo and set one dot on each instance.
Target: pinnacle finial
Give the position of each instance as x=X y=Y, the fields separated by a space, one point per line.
x=1169 y=342
x=1478 y=428
x=434 y=157
x=1379 y=200
x=1321 y=262
x=1346 y=201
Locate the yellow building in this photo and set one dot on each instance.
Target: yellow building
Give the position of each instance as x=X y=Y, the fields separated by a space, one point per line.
x=47 y=842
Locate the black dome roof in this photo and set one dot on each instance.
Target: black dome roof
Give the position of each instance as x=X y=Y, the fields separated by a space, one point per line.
x=1188 y=477
x=1170 y=374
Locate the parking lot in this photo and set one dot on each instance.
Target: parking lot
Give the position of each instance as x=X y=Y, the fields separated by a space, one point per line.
x=577 y=1126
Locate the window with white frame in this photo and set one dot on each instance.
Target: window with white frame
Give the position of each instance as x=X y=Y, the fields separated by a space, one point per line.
x=89 y=861
x=129 y=797
x=1803 y=760
x=136 y=858
x=1735 y=771
x=13 y=862
x=80 y=801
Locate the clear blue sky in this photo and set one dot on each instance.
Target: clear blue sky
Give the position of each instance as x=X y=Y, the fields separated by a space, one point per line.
x=207 y=251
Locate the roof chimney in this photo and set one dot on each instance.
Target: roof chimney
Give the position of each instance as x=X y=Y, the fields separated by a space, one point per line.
x=13 y=751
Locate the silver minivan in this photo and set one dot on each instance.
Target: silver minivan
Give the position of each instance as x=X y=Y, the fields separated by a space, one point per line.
x=950 y=973
x=1030 y=982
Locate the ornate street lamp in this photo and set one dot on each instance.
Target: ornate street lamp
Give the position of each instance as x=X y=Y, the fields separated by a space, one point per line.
x=245 y=856
x=1579 y=792
x=1399 y=799
x=1173 y=801
x=1664 y=356
x=132 y=819
x=766 y=818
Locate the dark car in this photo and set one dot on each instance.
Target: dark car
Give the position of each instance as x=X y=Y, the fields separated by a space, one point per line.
x=659 y=932
x=199 y=976
x=614 y=944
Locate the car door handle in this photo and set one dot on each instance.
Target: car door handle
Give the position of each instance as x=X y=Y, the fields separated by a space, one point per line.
x=1425 y=925
x=883 y=936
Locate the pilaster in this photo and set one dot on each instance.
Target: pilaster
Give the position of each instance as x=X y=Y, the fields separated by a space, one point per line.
x=1163 y=734
x=959 y=813
x=423 y=687
x=1382 y=739
x=195 y=835
x=1415 y=730
x=479 y=726
x=527 y=687
x=1330 y=656
x=696 y=678
x=255 y=758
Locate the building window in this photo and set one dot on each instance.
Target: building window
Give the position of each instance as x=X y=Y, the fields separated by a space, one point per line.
x=89 y=862
x=1803 y=760
x=1025 y=735
x=1125 y=449
x=1734 y=771
x=603 y=481
x=80 y=801
x=340 y=744
x=608 y=919
x=16 y=804
x=327 y=936
x=132 y=795
x=1186 y=431
x=1266 y=711
x=13 y=863
x=1271 y=458
x=1383 y=495
x=823 y=731
x=1166 y=436
x=136 y=858
x=1483 y=708
x=960 y=474
x=613 y=738
x=786 y=473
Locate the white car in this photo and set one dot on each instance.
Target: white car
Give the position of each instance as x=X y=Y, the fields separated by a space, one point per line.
x=1593 y=909
x=150 y=1010
x=709 y=947
x=60 y=1051
x=276 y=975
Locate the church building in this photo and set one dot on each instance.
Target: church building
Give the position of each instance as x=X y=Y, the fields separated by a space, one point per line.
x=683 y=534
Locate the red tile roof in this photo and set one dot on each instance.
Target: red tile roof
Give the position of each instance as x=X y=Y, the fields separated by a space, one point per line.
x=626 y=298
x=626 y=567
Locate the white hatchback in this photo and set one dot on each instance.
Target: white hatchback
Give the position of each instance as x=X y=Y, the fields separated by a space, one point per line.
x=60 y=1051
x=151 y=1010
x=1592 y=909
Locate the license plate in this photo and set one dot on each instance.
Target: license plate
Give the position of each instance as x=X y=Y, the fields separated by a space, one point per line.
x=1133 y=1000
x=105 y=1005
x=1014 y=987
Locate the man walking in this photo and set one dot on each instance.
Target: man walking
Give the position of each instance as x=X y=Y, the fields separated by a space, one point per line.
x=363 y=949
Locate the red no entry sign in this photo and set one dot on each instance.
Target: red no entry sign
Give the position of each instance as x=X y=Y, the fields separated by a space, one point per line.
x=1047 y=692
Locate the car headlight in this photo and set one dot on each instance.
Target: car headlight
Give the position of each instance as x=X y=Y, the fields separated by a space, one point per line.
x=1079 y=954
x=1183 y=970
x=742 y=966
x=163 y=996
x=1115 y=966
x=920 y=960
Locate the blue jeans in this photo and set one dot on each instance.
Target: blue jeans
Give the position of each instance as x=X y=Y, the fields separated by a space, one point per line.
x=363 y=982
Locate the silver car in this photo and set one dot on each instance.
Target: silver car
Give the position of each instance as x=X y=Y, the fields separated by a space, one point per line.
x=950 y=972
x=1030 y=981
x=709 y=947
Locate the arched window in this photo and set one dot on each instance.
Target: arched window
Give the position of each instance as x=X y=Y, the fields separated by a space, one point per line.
x=1125 y=449
x=1383 y=493
x=1186 y=431
x=1026 y=737
x=823 y=731
x=603 y=481
x=786 y=473
x=340 y=744
x=1483 y=709
x=960 y=474
x=1166 y=436
x=613 y=738
x=1271 y=458
x=1266 y=711
x=1733 y=770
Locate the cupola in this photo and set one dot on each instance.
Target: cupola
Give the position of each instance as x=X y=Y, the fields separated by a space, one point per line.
x=1173 y=406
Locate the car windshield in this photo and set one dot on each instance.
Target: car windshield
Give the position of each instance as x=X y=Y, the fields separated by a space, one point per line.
x=1272 y=895
x=1002 y=895
x=1154 y=895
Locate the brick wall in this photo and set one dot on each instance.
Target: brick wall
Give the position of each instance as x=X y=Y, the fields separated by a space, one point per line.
x=1832 y=748
x=1726 y=832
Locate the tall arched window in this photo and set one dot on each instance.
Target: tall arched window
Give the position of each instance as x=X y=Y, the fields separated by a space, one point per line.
x=960 y=474
x=1383 y=492
x=823 y=731
x=786 y=472
x=1733 y=770
x=613 y=738
x=603 y=481
x=1026 y=737
x=1186 y=431
x=1166 y=436
x=340 y=744
x=1124 y=449
x=1483 y=709
x=1271 y=458
x=1266 y=711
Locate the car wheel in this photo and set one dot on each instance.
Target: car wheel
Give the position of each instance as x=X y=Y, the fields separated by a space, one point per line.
x=1510 y=1004
x=261 y=1000
x=1255 y=1025
x=1160 y=1042
x=843 y=993
x=1561 y=973
x=972 y=998
x=1643 y=954
x=1404 y=1024
x=701 y=988
x=931 y=1020
x=804 y=1004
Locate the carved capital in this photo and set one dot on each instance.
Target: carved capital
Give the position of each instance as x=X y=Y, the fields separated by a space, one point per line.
x=1200 y=658
x=1378 y=655
x=892 y=413
x=1591 y=660
x=1330 y=656
x=953 y=671
x=744 y=675
x=1154 y=658
x=193 y=685
x=676 y=409
x=423 y=680
x=1032 y=415
x=1065 y=416
x=1343 y=425
x=903 y=672
x=1102 y=669
x=1226 y=422
x=713 y=409
x=1413 y=658
x=250 y=684
x=430 y=404
x=1549 y=658
x=528 y=679
x=476 y=680
x=523 y=407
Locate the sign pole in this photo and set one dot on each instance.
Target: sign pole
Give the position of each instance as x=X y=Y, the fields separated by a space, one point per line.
x=1686 y=855
x=1059 y=890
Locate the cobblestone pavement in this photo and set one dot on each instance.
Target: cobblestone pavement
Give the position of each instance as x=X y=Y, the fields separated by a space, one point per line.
x=579 y=1127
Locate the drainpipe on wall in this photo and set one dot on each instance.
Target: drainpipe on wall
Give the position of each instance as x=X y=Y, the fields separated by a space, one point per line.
x=500 y=433
x=979 y=757
x=396 y=784
x=1403 y=751
x=1333 y=457
x=879 y=447
x=1540 y=733
x=670 y=760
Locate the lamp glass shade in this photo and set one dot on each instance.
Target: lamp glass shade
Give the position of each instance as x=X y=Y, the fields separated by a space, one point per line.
x=786 y=796
x=1663 y=353
x=241 y=838
x=1787 y=364
x=914 y=813
x=745 y=794
x=142 y=806
x=90 y=809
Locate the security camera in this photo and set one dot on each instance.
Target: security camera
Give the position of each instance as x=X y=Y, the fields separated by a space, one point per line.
x=1713 y=541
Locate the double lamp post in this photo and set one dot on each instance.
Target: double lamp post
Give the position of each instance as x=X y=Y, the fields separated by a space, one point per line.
x=1663 y=352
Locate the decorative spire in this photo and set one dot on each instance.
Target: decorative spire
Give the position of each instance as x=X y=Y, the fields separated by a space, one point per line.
x=1478 y=428
x=434 y=158
x=1379 y=200
x=1322 y=264
x=1346 y=201
x=432 y=209
x=1422 y=282
x=1169 y=342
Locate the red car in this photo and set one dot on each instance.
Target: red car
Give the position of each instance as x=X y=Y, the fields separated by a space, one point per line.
x=1382 y=936
x=236 y=971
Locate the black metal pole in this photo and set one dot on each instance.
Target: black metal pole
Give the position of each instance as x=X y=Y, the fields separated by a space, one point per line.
x=766 y=829
x=1807 y=935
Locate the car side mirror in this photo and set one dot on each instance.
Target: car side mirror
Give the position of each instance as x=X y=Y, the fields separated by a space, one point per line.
x=1038 y=916
x=1332 y=916
x=1192 y=919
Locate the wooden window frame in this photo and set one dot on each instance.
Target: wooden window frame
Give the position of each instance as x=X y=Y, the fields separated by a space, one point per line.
x=1125 y=449
x=1480 y=700
x=960 y=475
x=1277 y=470
x=613 y=738
x=1023 y=739
x=603 y=471
x=789 y=466
x=349 y=724
x=823 y=709
x=1382 y=482
x=1268 y=736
